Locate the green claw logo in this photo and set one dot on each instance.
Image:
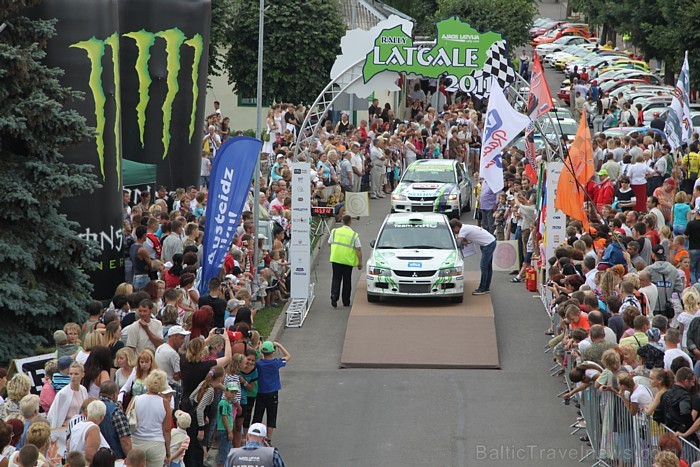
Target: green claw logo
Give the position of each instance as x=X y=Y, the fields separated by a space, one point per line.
x=173 y=39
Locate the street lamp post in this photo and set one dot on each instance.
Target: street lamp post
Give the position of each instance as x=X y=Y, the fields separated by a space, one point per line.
x=258 y=134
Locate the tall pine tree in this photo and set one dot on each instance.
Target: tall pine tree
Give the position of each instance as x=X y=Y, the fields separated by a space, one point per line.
x=42 y=285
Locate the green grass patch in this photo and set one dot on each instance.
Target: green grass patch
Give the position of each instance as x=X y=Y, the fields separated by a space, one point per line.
x=265 y=320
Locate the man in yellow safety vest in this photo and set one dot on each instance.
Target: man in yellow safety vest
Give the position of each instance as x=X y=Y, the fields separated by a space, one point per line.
x=346 y=253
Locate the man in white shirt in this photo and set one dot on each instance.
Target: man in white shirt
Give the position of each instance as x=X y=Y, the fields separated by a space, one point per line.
x=648 y=288
x=589 y=270
x=673 y=339
x=487 y=243
x=357 y=161
x=167 y=357
x=146 y=333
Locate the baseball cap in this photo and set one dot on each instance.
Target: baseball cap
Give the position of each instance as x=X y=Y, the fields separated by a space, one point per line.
x=653 y=334
x=262 y=236
x=257 y=429
x=659 y=251
x=233 y=387
x=268 y=347
x=64 y=363
x=60 y=337
x=233 y=304
x=167 y=390
x=670 y=181
x=603 y=172
x=178 y=330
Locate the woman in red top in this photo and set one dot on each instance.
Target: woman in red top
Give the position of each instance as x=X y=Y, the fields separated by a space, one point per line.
x=172 y=275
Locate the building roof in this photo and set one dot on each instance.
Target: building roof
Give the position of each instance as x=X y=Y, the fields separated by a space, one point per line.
x=367 y=13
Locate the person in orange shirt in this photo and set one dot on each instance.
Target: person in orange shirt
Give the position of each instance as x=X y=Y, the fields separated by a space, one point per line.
x=577 y=319
x=679 y=249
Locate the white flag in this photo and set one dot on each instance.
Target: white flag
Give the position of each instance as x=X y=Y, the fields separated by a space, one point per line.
x=503 y=124
x=679 y=127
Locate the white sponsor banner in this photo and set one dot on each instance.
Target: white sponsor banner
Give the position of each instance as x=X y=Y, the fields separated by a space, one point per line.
x=503 y=124
x=300 y=245
x=555 y=233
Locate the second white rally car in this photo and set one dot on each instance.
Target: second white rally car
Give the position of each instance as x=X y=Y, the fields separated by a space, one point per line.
x=433 y=185
x=414 y=255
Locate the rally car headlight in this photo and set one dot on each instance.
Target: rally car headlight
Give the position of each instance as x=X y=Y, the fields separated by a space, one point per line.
x=398 y=197
x=376 y=271
x=449 y=272
x=452 y=197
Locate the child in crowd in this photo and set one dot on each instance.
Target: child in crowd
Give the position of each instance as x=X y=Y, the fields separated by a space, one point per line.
x=48 y=393
x=72 y=331
x=224 y=426
x=232 y=377
x=249 y=385
x=277 y=269
x=75 y=459
x=179 y=440
x=499 y=216
x=269 y=384
x=60 y=379
x=63 y=348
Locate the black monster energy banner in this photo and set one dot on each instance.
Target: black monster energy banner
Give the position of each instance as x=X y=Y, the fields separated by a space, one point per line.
x=164 y=47
x=75 y=48
x=143 y=68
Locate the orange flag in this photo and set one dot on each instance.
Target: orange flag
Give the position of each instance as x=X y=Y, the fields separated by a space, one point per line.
x=578 y=167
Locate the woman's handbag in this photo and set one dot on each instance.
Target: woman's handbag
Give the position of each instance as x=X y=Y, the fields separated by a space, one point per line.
x=131 y=415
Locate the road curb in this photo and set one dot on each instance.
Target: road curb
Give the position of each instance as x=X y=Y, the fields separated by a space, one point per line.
x=278 y=328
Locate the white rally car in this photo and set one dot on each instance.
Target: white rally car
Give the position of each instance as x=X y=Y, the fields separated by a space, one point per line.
x=415 y=255
x=433 y=185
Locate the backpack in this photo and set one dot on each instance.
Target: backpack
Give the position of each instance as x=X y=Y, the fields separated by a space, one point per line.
x=643 y=304
x=630 y=120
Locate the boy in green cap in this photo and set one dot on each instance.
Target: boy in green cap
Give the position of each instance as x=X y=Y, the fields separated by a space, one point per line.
x=269 y=384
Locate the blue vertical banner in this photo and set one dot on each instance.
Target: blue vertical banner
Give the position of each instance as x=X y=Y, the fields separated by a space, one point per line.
x=229 y=185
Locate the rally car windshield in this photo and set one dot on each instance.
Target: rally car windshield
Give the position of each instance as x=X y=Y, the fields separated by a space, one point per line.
x=428 y=235
x=428 y=175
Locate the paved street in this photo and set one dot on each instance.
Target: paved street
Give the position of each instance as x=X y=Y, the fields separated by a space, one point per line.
x=331 y=416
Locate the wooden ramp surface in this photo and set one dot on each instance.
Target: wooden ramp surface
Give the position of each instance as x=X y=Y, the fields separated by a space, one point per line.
x=421 y=333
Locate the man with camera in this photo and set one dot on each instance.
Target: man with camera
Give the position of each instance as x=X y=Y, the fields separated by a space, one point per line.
x=215 y=301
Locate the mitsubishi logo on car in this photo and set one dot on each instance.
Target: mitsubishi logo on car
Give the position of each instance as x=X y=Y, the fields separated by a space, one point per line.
x=422 y=199
x=415 y=274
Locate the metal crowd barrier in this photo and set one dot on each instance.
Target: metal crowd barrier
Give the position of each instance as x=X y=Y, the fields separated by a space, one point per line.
x=616 y=436
x=619 y=437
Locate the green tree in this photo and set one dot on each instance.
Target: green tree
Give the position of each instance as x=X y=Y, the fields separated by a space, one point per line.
x=512 y=18
x=422 y=11
x=222 y=16
x=302 y=39
x=42 y=256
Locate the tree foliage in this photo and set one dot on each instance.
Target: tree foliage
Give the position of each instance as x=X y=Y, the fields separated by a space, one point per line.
x=512 y=18
x=222 y=17
x=423 y=11
x=302 y=39
x=41 y=279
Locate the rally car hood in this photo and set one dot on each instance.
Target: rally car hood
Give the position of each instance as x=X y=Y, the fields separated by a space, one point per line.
x=421 y=189
x=410 y=259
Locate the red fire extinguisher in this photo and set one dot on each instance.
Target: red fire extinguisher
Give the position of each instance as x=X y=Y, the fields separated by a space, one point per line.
x=531 y=279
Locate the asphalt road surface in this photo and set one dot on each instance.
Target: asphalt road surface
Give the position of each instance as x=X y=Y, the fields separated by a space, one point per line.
x=407 y=417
